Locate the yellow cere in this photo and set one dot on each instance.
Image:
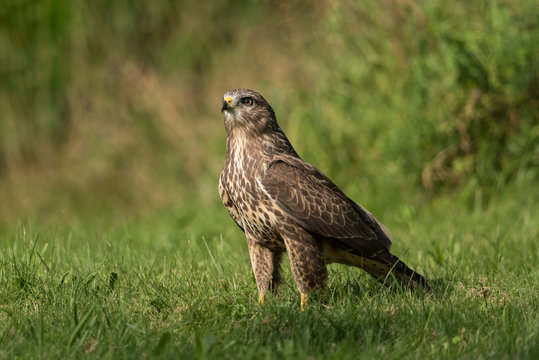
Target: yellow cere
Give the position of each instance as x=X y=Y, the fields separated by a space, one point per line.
x=228 y=99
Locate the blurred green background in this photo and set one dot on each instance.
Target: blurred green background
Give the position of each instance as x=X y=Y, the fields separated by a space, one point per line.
x=111 y=108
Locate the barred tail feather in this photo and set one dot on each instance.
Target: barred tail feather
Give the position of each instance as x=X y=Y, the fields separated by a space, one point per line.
x=385 y=265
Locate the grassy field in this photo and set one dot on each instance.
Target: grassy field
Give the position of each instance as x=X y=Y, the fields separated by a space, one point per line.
x=114 y=243
x=173 y=289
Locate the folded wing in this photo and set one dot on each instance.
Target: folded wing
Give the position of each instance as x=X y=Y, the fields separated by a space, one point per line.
x=320 y=207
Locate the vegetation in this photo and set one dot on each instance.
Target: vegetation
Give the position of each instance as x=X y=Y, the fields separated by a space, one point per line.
x=113 y=241
x=157 y=289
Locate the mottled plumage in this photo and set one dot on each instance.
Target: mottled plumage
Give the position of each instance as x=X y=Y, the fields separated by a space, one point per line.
x=284 y=204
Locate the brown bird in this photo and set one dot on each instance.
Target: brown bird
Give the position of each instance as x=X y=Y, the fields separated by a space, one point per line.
x=284 y=204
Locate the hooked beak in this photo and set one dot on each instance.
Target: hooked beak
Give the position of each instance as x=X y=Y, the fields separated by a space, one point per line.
x=224 y=106
x=227 y=104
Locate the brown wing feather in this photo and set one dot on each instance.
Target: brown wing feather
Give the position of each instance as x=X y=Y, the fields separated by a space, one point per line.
x=319 y=206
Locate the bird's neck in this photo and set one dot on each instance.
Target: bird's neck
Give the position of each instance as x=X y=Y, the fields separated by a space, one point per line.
x=258 y=144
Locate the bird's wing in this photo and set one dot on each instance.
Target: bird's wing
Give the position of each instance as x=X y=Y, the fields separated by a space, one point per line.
x=383 y=228
x=319 y=206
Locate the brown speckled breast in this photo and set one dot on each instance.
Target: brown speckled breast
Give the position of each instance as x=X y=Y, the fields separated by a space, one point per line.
x=244 y=199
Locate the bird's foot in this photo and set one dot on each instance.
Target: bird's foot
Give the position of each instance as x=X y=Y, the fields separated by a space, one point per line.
x=261 y=298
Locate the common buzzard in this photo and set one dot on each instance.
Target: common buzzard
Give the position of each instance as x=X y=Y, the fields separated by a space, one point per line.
x=284 y=204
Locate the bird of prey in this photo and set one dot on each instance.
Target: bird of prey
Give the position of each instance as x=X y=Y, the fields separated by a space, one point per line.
x=284 y=204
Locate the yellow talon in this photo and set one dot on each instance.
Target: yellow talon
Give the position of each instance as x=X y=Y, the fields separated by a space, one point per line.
x=304 y=299
x=261 y=298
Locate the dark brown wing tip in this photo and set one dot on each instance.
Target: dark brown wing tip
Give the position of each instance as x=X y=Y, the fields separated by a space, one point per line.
x=411 y=279
x=421 y=282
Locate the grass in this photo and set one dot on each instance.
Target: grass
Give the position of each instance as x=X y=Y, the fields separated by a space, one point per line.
x=160 y=288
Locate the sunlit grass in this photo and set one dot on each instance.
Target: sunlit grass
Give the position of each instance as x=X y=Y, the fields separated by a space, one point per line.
x=154 y=288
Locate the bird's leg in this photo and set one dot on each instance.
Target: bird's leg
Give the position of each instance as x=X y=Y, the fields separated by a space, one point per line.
x=304 y=299
x=306 y=261
x=265 y=266
x=276 y=278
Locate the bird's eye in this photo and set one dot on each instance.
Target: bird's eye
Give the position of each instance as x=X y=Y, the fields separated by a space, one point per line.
x=247 y=101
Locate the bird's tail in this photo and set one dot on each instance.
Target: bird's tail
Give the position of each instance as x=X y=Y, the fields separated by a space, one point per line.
x=385 y=266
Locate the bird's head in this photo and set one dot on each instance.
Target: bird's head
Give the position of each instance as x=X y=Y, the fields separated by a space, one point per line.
x=247 y=110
